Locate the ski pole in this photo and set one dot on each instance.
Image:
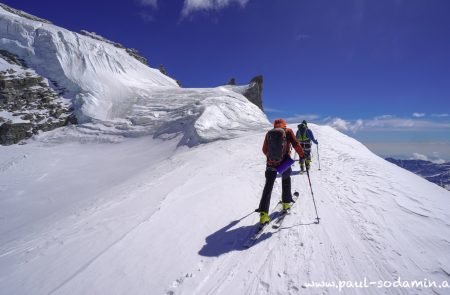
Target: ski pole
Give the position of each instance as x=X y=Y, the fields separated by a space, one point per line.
x=314 y=201
x=318 y=157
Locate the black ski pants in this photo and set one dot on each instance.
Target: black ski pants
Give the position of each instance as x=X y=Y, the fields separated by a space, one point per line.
x=286 y=195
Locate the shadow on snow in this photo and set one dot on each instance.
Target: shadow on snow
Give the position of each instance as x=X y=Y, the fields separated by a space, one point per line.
x=228 y=239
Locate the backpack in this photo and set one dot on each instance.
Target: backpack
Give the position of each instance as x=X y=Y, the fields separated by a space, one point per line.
x=303 y=135
x=304 y=139
x=277 y=145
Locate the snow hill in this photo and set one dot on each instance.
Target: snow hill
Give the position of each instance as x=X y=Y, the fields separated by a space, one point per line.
x=147 y=217
x=97 y=74
x=114 y=93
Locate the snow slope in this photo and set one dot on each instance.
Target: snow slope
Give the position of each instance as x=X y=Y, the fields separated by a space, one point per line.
x=114 y=94
x=96 y=73
x=169 y=213
x=147 y=217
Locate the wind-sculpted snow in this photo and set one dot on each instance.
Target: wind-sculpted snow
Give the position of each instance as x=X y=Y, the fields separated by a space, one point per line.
x=116 y=96
x=194 y=115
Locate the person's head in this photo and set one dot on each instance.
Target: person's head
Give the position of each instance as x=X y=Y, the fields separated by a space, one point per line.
x=303 y=125
x=279 y=123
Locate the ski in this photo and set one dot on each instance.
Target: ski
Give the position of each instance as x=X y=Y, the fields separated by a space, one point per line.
x=279 y=221
x=276 y=214
x=261 y=229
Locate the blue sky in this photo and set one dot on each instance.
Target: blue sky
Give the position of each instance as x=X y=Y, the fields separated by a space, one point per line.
x=377 y=70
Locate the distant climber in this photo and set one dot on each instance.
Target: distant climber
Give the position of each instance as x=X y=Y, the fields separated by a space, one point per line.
x=304 y=135
x=276 y=147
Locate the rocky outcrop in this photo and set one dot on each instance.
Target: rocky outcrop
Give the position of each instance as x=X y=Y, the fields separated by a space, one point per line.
x=27 y=103
x=12 y=59
x=13 y=133
x=254 y=91
x=131 y=51
x=162 y=69
x=135 y=53
x=232 y=81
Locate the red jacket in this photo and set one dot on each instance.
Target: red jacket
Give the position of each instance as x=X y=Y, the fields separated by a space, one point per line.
x=291 y=139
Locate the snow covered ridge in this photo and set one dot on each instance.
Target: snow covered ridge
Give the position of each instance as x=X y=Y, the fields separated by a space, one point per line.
x=95 y=74
x=131 y=51
x=73 y=223
x=114 y=95
x=23 y=14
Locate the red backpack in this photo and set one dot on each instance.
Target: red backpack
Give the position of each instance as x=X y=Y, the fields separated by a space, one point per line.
x=277 y=145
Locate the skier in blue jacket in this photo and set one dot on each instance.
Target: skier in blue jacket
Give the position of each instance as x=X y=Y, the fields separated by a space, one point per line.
x=305 y=136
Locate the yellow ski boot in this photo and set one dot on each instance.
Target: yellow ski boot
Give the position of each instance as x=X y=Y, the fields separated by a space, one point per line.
x=264 y=218
x=286 y=206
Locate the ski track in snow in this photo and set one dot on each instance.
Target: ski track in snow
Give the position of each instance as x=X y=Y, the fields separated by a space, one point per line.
x=179 y=226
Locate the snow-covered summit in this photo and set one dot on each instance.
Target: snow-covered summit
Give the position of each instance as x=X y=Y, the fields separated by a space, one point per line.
x=114 y=94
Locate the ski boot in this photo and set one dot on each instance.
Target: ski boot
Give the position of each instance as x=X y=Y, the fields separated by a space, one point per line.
x=264 y=218
x=286 y=206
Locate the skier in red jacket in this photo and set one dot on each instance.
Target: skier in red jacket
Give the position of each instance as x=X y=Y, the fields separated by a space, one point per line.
x=277 y=145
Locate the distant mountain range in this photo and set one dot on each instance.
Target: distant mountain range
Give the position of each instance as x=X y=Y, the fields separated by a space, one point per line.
x=436 y=173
